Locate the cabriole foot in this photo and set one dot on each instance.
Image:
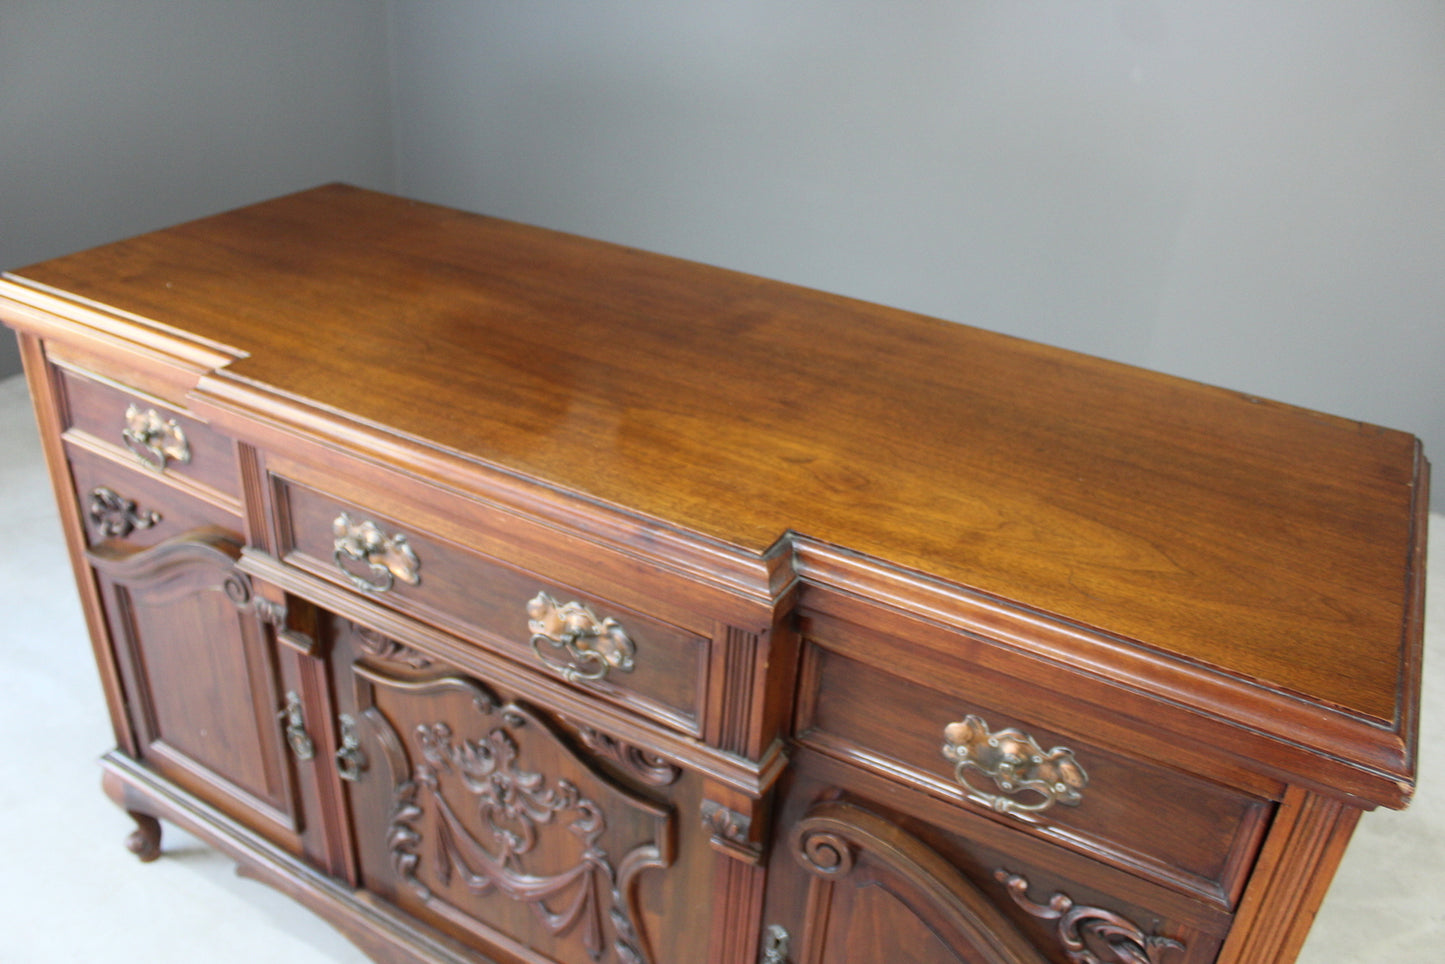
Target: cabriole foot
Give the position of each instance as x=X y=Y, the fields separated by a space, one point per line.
x=145 y=842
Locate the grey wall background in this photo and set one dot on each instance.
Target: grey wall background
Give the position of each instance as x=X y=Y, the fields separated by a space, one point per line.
x=1247 y=193
x=121 y=116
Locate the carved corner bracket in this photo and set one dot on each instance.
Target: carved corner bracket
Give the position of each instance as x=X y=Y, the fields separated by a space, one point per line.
x=731 y=832
x=276 y=614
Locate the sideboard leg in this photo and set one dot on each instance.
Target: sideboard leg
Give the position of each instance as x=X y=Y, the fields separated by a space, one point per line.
x=145 y=840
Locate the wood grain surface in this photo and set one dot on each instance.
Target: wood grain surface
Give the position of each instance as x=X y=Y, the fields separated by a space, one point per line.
x=1275 y=543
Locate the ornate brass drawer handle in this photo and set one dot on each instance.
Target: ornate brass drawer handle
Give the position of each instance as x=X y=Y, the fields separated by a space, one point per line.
x=593 y=646
x=1016 y=765
x=154 y=440
x=388 y=558
x=116 y=516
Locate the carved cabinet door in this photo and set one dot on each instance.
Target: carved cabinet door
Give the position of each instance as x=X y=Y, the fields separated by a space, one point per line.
x=862 y=872
x=200 y=676
x=478 y=814
x=850 y=887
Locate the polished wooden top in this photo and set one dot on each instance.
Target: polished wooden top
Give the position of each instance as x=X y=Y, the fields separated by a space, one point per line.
x=1266 y=540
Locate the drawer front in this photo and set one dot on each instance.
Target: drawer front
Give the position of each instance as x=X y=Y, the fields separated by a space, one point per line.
x=148 y=434
x=959 y=741
x=118 y=501
x=616 y=653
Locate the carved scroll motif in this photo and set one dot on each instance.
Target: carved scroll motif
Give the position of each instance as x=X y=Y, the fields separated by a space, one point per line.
x=115 y=516
x=1091 y=935
x=824 y=853
x=237 y=587
x=388 y=650
x=517 y=808
x=649 y=768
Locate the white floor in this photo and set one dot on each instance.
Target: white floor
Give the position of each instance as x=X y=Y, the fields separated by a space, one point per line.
x=69 y=891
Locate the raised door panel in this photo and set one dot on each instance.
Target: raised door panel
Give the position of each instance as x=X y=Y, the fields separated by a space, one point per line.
x=482 y=816
x=200 y=675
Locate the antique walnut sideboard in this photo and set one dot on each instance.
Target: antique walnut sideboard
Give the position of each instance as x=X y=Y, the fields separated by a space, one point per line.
x=502 y=595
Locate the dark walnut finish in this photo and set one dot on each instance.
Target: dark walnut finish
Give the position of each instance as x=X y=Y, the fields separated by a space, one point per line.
x=503 y=595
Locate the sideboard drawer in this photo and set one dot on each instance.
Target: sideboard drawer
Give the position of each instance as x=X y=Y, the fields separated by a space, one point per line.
x=1178 y=829
x=149 y=434
x=118 y=501
x=618 y=653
